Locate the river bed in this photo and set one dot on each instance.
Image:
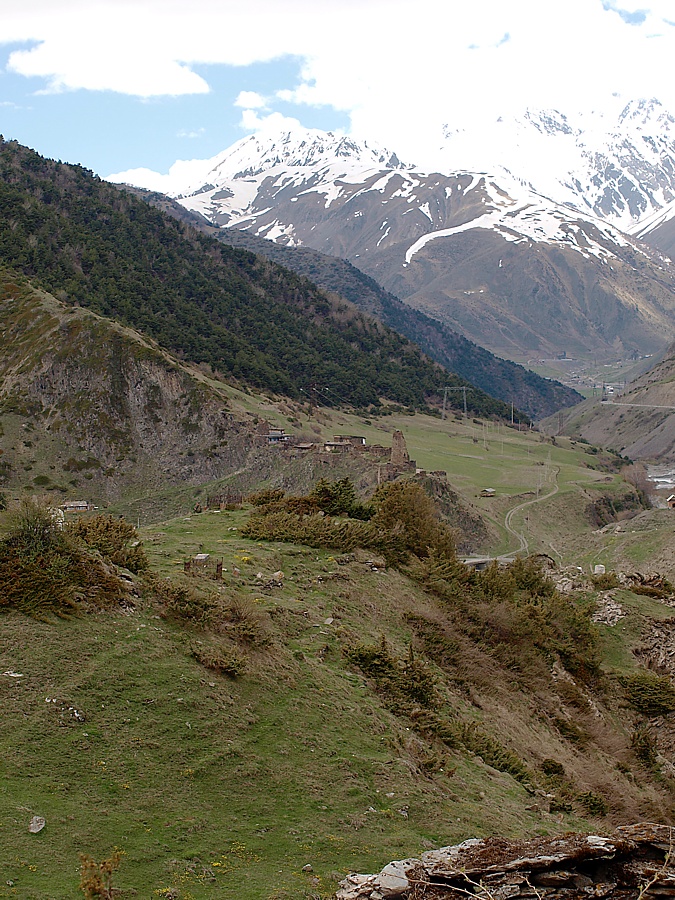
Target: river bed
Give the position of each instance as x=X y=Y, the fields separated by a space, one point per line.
x=663 y=479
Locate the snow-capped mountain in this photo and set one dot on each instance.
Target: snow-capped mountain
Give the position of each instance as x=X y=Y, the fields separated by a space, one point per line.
x=522 y=252
x=273 y=187
x=239 y=180
x=618 y=164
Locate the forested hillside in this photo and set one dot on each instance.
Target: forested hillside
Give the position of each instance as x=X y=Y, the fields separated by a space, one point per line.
x=500 y=378
x=91 y=244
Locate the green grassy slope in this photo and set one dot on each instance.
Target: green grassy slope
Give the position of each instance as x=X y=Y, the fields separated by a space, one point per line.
x=221 y=787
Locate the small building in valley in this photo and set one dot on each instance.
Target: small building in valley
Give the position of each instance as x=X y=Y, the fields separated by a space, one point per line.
x=354 y=439
x=76 y=506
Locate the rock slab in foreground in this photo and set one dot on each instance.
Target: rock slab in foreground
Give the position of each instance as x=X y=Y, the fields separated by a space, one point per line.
x=634 y=861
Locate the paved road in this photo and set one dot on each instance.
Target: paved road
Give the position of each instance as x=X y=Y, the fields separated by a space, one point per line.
x=508 y=519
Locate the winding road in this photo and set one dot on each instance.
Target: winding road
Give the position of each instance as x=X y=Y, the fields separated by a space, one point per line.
x=508 y=519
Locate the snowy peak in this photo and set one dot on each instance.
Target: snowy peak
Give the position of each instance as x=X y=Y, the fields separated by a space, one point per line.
x=302 y=148
x=548 y=121
x=645 y=114
x=618 y=164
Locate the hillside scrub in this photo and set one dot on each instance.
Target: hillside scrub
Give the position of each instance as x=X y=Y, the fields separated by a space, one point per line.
x=402 y=521
x=337 y=717
x=335 y=498
x=512 y=614
x=114 y=538
x=43 y=569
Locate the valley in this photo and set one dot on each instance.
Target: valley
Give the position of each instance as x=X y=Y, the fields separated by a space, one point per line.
x=346 y=586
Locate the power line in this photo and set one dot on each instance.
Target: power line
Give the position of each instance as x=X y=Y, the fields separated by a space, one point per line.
x=463 y=389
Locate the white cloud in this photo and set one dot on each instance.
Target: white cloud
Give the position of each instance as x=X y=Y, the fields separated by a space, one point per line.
x=195 y=133
x=182 y=173
x=250 y=100
x=251 y=121
x=398 y=68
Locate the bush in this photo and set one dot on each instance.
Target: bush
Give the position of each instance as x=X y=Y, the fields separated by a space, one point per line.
x=226 y=662
x=493 y=753
x=593 y=803
x=261 y=498
x=241 y=621
x=182 y=602
x=33 y=526
x=43 y=571
x=115 y=539
x=513 y=613
x=404 y=682
x=644 y=746
x=96 y=878
x=606 y=582
x=339 y=498
x=649 y=694
x=405 y=521
x=552 y=768
x=404 y=510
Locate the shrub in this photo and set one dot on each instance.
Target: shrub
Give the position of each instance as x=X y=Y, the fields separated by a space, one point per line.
x=33 y=526
x=115 y=539
x=552 y=768
x=513 y=613
x=96 y=878
x=339 y=498
x=649 y=694
x=227 y=662
x=493 y=753
x=43 y=571
x=606 y=582
x=182 y=602
x=405 y=510
x=593 y=803
x=241 y=621
x=261 y=498
x=644 y=746
x=405 y=522
x=404 y=682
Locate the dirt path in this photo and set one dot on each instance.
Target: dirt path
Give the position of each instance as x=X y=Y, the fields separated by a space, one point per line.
x=508 y=519
x=639 y=405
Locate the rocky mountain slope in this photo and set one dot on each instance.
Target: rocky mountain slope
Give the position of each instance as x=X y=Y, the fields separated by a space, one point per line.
x=91 y=406
x=512 y=269
x=500 y=378
x=658 y=230
x=639 y=423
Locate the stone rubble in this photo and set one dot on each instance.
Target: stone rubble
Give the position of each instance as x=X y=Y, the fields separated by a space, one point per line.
x=634 y=861
x=608 y=611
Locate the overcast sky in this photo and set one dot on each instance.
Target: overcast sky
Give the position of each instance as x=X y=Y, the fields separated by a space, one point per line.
x=117 y=84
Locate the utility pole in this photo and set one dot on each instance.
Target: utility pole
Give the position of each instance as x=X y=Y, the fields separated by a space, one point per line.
x=445 y=398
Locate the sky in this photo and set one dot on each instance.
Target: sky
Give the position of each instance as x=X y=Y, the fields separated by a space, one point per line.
x=122 y=84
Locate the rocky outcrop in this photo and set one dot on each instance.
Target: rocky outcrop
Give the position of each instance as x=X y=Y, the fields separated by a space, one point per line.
x=101 y=402
x=635 y=861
